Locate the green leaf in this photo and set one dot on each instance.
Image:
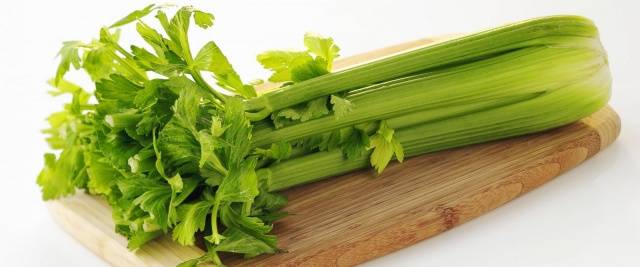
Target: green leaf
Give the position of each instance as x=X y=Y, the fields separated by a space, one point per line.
x=99 y=63
x=140 y=238
x=246 y=235
x=237 y=134
x=241 y=185
x=156 y=200
x=237 y=241
x=68 y=56
x=282 y=63
x=79 y=101
x=341 y=106
x=143 y=161
x=309 y=70
x=270 y=201
x=153 y=38
x=384 y=146
x=298 y=66
x=177 y=141
x=177 y=30
x=108 y=37
x=145 y=59
x=278 y=151
x=105 y=56
x=135 y=15
x=210 y=58
x=323 y=47
x=267 y=205
x=300 y=113
x=188 y=187
x=203 y=19
x=116 y=145
x=102 y=177
x=118 y=90
x=55 y=177
x=187 y=108
x=217 y=129
x=210 y=257
x=356 y=145
x=166 y=62
x=164 y=20
x=64 y=87
x=208 y=146
x=178 y=84
x=149 y=95
x=176 y=185
x=180 y=150
x=192 y=217
x=57 y=133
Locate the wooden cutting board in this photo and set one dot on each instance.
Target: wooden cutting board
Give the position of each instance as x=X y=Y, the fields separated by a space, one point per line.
x=350 y=219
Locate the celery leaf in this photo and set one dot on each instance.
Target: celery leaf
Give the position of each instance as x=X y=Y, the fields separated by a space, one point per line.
x=210 y=58
x=341 y=106
x=192 y=219
x=384 y=146
x=135 y=15
x=323 y=47
x=203 y=19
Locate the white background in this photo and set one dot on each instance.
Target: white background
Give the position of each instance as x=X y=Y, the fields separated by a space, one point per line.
x=587 y=217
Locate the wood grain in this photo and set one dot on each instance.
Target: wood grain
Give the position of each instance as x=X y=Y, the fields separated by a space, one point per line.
x=350 y=219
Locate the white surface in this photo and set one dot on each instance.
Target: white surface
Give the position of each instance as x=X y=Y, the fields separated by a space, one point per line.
x=587 y=217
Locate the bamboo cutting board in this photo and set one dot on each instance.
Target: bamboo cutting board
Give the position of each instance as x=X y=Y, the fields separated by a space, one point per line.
x=350 y=219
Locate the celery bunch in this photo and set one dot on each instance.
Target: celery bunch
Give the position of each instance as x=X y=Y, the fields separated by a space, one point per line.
x=175 y=154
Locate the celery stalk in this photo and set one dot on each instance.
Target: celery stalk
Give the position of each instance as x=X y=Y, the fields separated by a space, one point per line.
x=549 y=110
x=532 y=70
x=535 y=32
x=519 y=92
